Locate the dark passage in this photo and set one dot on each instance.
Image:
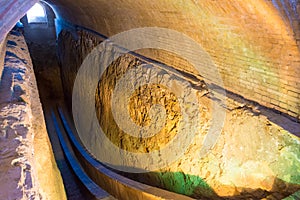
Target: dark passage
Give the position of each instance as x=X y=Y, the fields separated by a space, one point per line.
x=42 y=46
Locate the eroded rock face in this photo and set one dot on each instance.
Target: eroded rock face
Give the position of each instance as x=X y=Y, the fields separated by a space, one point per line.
x=73 y=47
x=254 y=156
x=18 y=173
x=2 y=54
x=27 y=166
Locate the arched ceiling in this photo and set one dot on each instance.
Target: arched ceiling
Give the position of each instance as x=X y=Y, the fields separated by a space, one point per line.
x=247 y=38
x=193 y=17
x=9 y=16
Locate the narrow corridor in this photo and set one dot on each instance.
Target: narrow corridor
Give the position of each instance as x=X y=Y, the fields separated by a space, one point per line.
x=42 y=46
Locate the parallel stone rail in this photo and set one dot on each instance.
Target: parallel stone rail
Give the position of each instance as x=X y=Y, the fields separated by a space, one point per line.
x=93 y=188
x=113 y=183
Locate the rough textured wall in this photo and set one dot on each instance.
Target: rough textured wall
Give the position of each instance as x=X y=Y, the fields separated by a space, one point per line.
x=2 y=55
x=28 y=169
x=72 y=59
x=249 y=41
x=235 y=168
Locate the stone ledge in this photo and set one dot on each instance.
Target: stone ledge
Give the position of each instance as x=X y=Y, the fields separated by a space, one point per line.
x=26 y=152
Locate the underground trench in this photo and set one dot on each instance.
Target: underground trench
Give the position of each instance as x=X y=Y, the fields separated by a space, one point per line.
x=177 y=182
x=257 y=153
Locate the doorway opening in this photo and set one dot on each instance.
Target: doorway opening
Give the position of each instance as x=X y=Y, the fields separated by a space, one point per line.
x=37 y=14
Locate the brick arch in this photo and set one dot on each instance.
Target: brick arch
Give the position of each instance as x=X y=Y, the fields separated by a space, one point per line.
x=9 y=16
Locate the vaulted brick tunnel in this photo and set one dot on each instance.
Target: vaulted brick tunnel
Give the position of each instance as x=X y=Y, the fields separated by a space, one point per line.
x=253 y=47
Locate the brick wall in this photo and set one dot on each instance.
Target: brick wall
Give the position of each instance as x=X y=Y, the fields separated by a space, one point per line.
x=290 y=11
x=255 y=53
x=249 y=41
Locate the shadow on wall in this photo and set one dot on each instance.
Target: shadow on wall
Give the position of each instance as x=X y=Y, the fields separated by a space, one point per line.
x=71 y=60
x=8 y=53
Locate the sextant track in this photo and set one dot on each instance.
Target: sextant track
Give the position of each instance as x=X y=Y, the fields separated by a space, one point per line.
x=94 y=180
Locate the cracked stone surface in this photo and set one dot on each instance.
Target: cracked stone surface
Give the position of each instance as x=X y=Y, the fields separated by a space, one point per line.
x=27 y=165
x=18 y=177
x=253 y=157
